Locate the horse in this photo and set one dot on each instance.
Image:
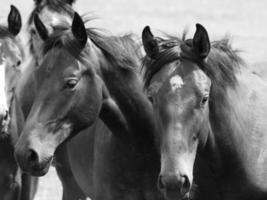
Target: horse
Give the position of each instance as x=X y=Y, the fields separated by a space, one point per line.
x=89 y=86
x=14 y=185
x=210 y=111
x=52 y=13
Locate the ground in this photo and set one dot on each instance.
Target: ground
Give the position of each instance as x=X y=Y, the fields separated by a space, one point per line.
x=245 y=21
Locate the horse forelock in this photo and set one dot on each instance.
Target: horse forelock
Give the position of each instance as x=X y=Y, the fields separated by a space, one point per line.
x=169 y=51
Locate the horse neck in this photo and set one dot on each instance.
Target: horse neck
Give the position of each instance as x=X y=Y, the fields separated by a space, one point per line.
x=125 y=87
x=228 y=124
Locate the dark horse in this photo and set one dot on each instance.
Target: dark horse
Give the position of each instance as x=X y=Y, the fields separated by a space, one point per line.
x=52 y=13
x=211 y=113
x=14 y=185
x=85 y=80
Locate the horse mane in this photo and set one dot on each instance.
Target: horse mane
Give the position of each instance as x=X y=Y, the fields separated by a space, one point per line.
x=118 y=50
x=123 y=51
x=59 y=6
x=221 y=65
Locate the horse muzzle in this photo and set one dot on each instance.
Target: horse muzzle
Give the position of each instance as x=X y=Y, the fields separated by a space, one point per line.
x=33 y=156
x=31 y=162
x=174 y=186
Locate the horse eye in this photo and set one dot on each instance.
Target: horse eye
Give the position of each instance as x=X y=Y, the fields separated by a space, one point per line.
x=18 y=63
x=33 y=32
x=71 y=83
x=194 y=138
x=204 y=101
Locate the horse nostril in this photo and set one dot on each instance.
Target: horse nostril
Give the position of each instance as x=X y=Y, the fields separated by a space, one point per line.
x=186 y=183
x=161 y=184
x=32 y=157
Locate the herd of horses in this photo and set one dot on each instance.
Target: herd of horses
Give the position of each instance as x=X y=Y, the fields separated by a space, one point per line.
x=187 y=120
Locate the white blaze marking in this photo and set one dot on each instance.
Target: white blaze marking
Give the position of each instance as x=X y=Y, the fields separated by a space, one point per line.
x=176 y=82
x=3 y=97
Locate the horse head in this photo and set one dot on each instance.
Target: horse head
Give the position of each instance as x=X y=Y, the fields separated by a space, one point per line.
x=11 y=57
x=69 y=98
x=179 y=91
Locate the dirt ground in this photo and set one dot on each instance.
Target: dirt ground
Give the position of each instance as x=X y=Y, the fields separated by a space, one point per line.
x=245 y=21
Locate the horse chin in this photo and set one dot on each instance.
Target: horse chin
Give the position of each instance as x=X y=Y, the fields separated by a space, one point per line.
x=175 y=195
x=41 y=169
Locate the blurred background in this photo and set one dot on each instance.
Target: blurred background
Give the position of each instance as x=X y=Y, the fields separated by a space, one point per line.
x=245 y=21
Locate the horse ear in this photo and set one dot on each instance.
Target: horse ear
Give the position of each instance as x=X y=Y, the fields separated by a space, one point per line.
x=150 y=43
x=70 y=1
x=201 y=42
x=40 y=27
x=78 y=29
x=37 y=2
x=14 y=20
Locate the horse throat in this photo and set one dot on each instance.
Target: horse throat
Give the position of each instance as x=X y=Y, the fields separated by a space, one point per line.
x=112 y=116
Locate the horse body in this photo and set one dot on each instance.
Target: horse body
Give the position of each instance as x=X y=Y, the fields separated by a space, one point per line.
x=210 y=110
x=9 y=181
x=108 y=171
